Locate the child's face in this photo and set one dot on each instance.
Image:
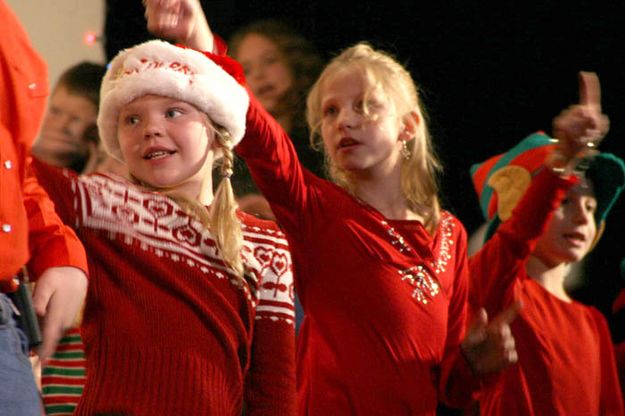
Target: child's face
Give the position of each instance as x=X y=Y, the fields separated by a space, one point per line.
x=572 y=229
x=355 y=141
x=68 y=117
x=267 y=74
x=166 y=143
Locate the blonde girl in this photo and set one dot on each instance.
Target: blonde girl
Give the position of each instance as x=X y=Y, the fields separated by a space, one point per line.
x=189 y=309
x=380 y=267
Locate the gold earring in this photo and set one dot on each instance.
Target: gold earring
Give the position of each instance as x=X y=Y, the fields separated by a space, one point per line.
x=405 y=152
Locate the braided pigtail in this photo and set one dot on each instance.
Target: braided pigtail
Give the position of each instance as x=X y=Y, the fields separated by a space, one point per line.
x=224 y=222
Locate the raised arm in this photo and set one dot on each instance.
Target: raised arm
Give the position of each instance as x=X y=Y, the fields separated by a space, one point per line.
x=539 y=190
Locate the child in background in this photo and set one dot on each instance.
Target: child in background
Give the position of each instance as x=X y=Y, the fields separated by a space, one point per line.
x=190 y=308
x=280 y=66
x=382 y=270
x=64 y=139
x=548 y=203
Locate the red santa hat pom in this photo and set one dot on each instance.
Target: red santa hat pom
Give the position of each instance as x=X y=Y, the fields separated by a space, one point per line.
x=212 y=83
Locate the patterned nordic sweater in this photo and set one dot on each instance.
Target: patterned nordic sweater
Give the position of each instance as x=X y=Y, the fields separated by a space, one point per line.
x=168 y=329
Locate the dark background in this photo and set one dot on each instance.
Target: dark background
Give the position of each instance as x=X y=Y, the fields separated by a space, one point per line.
x=492 y=72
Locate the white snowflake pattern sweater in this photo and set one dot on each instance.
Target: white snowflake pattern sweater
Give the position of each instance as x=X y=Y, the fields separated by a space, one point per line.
x=168 y=329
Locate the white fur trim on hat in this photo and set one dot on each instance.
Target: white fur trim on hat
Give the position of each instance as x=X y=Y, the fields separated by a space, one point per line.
x=160 y=68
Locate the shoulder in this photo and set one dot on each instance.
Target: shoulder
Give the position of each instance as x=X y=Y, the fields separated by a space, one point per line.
x=255 y=228
x=450 y=224
x=596 y=315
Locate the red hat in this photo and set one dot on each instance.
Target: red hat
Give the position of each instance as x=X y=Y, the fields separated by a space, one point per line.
x=212 y=83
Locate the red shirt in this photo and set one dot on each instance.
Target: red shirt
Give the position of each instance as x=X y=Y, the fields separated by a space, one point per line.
x=375 y=339
x=566 y=360
x=29 y=228
x=168 y=329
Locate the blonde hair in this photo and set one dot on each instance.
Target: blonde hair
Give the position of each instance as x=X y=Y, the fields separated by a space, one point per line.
x=419 y=172
x=222 y=220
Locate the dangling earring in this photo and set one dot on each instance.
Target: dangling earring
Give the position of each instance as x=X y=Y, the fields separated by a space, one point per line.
x=405 y=152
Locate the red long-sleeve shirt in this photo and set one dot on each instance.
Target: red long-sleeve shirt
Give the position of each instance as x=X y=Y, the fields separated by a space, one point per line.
x=168 y=329
x=367 y=344
x=29 y=228
x=566 y=360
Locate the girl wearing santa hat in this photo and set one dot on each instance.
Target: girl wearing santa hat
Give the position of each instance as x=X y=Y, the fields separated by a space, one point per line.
x=190 y=305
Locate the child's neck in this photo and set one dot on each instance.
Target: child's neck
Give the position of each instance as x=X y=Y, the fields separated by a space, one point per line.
x=388 y=200
x=551 y=278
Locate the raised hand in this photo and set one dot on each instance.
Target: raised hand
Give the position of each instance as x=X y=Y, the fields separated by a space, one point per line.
x=489 y=346
x=179 y=20
x=580 y=128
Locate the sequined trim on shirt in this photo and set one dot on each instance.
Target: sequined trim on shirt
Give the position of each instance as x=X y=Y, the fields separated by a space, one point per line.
x=425 y=286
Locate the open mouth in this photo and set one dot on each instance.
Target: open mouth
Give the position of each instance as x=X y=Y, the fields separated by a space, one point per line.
x=575 y=237
x=158 y=154
x=347 y=142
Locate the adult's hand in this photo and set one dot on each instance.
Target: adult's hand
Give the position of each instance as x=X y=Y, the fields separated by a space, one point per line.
x=58 y=296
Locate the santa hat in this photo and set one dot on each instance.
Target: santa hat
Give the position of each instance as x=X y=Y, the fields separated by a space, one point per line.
x=212 y=83
x=520 y=164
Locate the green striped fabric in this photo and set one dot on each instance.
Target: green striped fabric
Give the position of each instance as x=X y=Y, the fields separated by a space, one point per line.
x=63 y=376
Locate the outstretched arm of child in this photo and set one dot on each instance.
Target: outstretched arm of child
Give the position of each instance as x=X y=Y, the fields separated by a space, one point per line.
x=181 y=21
x=495 y=267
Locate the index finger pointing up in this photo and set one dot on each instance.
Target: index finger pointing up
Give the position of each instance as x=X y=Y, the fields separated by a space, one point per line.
x=589 y=89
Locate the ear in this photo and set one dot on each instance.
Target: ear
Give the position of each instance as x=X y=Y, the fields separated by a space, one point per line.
x=409 y=126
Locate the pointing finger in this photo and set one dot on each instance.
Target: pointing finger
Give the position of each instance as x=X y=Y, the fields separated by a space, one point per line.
x=589 y=89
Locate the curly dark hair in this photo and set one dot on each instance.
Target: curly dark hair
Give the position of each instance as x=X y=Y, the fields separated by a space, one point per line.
x=300 y=55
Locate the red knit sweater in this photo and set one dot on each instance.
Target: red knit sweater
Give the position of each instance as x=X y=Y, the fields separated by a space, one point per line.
x=566 y=360
x=168 y=329
x=376 y=339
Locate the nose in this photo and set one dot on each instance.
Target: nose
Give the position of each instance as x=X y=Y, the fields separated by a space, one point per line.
x=581 y=214
x=152 y=128
x=348 y=119
x=61 y=121
x=256 y=72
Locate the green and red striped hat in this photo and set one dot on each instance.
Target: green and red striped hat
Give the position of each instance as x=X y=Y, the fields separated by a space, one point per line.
x=606 y=171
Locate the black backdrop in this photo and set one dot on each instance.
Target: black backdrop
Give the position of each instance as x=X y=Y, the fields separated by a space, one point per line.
x=492 y=72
